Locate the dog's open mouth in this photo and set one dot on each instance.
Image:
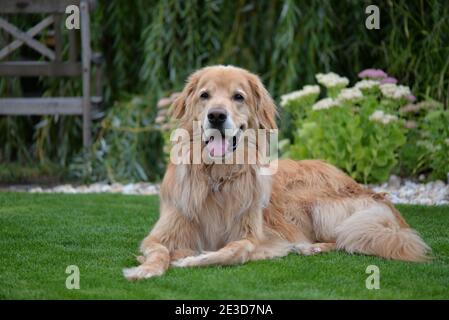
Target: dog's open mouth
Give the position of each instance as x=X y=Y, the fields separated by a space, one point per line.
x=219 y=145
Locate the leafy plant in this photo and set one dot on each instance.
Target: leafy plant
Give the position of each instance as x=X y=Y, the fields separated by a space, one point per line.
x=434 y=138
x=357 y=129
x=414 y=156
x=127 y=148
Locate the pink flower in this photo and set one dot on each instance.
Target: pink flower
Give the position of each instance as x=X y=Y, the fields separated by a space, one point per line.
x=410 y=98
x=411 y=124
x=389 y=80
x=373 y=73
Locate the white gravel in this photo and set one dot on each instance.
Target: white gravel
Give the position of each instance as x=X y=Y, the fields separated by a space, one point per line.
x=409 y=192
x=398 y=191
x=141 y=188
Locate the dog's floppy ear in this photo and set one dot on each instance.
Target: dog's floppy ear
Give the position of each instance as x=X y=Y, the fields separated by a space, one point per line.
x=265 y=107
x=179 y=106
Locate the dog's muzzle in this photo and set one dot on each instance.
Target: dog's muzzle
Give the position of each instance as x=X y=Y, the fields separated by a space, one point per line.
x=219 y=144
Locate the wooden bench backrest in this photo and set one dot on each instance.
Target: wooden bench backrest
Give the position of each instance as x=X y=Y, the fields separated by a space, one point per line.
x=53 y=65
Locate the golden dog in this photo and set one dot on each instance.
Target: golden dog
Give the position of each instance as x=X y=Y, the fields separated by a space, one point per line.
x=224 y=214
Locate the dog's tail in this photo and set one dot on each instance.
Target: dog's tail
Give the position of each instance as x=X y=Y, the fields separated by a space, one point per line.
x=380 y=230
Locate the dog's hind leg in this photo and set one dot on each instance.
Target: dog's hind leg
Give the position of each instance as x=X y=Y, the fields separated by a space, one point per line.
x=379 y=230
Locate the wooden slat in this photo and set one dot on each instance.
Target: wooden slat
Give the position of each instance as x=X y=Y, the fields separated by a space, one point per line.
x=31 y=32
x=36 y=6
x=39 y=68
x=41 y=106
x=86 y=60
x=73 y=45
x=44 y=106
x=32 y=43
x=58 y=36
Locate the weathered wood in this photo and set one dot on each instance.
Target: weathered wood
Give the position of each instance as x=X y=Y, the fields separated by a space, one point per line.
x=73 y=45
x=98 y=62
x=86 y=60
x=41 y=106
x=57 y=67
x=44 y=106
x=31 y=6
x=32 y=43
x=31 y=32
x=40 y=68
x=58 y=36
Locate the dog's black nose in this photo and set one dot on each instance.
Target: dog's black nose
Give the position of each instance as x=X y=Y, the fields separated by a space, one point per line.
x=217 y=116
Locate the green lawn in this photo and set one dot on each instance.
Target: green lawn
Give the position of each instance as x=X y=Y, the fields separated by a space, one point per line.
x=40 y=235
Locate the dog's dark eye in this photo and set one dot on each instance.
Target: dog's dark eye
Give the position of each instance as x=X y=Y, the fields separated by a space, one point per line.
x=238 y=97
x=204 y=96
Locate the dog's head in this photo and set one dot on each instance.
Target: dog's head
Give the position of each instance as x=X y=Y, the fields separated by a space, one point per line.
x=227 y=100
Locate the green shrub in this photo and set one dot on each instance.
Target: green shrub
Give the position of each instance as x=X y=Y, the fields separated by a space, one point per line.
x=38 y=173
x=434 y=139
x=414 y=159
x=128 y=146
x=357 y=129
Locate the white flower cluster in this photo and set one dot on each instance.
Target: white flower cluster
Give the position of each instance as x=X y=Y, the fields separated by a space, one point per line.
x=325 y=104
x=367 y=84
x=306 y=91
x=447 y=141
x=380 y=116
x=331 y=80
x=393 y=91
x=350 y=94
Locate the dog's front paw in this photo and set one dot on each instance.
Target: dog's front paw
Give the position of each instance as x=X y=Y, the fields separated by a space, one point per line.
x=141 y=272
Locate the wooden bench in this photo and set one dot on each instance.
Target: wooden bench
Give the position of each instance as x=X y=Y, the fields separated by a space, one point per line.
x=53 y=64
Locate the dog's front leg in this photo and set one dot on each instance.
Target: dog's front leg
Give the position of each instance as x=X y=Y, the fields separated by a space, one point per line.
x=173 y=237
x=249 y=229
x=233 y=253
x=154 y=262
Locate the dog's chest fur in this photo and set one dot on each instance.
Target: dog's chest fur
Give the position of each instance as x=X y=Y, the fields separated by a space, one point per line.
x=219 y=199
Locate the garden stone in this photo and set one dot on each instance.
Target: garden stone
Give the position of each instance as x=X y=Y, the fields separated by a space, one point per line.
x=394 y=181
x=398 y=190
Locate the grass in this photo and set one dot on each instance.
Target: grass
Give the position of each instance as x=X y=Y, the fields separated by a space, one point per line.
x=41 y=234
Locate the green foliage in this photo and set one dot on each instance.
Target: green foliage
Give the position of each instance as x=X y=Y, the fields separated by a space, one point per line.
x=415 y=157
x=434 y=138
x=411 y=159
x=352 y=130
x=127 y=148
x=17 y=173
x=367 y=151
x=150 y=47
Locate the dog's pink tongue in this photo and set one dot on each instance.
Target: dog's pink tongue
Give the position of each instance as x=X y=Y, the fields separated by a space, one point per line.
x=218 y=146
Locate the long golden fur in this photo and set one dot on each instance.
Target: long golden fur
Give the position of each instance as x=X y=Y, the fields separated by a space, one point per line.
x=221 y=214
